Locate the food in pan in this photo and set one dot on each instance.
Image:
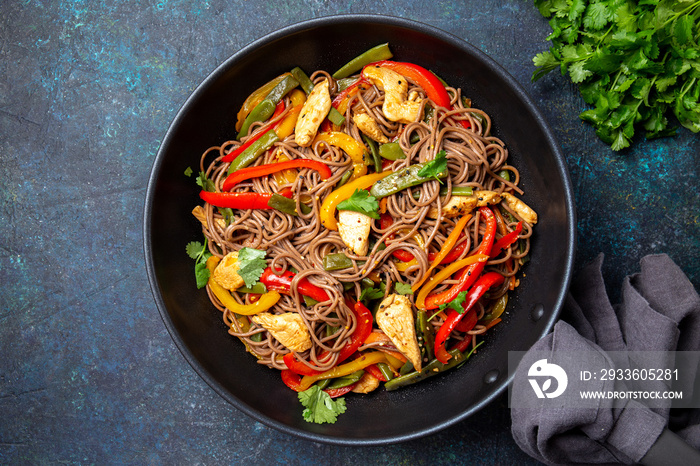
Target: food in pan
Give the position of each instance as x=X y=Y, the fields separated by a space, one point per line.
x=362 y=229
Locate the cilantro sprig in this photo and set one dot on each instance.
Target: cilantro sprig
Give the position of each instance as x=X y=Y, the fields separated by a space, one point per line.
x=200 y=253
x=251 y=264
x=361 y=201
x=320 y=407
x=457 y=303
x=436 y=167
x=637 y=63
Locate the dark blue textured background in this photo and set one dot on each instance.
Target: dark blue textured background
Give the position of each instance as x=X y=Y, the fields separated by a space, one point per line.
x=88 y=373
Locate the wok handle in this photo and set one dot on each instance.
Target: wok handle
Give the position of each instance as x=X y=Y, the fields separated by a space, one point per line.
x=670 y=450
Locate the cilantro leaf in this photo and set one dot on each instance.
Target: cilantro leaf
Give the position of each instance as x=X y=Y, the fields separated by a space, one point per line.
x=200 y=254
x=205 y=183
x=403 y=288
x=457 y=304
x=320 y=407
x=251 y=264
x=361 y=201
x=188 y=171
x=435 y=167
x=370 y=294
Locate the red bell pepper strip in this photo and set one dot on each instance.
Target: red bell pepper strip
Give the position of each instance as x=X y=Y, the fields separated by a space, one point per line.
x=336 y=392
x=241 y=200
x=469 y=274
x=362 y=331
x=283 y=284
x=298 y=367
x=263 y=170
x=236 y=152
x=482 y=285
x=506 y=240
x=291 y=379
x=431 y=84
x=426 y=79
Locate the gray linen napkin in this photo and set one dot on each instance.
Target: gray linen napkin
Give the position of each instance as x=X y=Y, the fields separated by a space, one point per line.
x=659 y=312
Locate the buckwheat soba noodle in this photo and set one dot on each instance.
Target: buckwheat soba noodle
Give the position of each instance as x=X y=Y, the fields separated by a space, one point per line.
x=362 y=228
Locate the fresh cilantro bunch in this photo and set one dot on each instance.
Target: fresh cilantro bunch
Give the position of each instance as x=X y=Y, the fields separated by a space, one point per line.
x=637 y=62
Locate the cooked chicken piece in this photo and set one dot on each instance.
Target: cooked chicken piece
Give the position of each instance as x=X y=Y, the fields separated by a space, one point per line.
x=226 y=273
x=520 y=208
x=370 y=127
x=395 y=318
x=366 y=384
x=287 y=328
x=462 y=205
x=200 y=215
x=397 y=106
x=354 y=228
x=315 y=109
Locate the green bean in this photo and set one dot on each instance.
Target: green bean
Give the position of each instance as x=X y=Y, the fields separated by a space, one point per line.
x=376 y=160
x=341 y=382
x=391 y=151
x=261 y=112
x=380 y=52
x=337 y=261
x=304 y=81
x=434 y=367
x=402 y=179
x=253 y=151
x=286 y=205
x=258 y=288
x=266 y=108
x=425 y=334
x=335 y=116
x=385 y=370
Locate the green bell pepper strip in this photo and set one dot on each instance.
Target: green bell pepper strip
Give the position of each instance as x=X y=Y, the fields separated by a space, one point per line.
x=266 y=108
x=402 y=179
x=377 y=53
x=337 y=261
x=254 y=151
x=391 y=151
x=431 y=369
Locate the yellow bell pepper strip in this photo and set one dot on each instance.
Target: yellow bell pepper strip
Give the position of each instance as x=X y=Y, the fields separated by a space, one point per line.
x=330 y=203
x=436 y=279
x=445 y=250
x=255 y=98
x=355 y=149
x=286 y=126
x=265 y=302
x=363 y=361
